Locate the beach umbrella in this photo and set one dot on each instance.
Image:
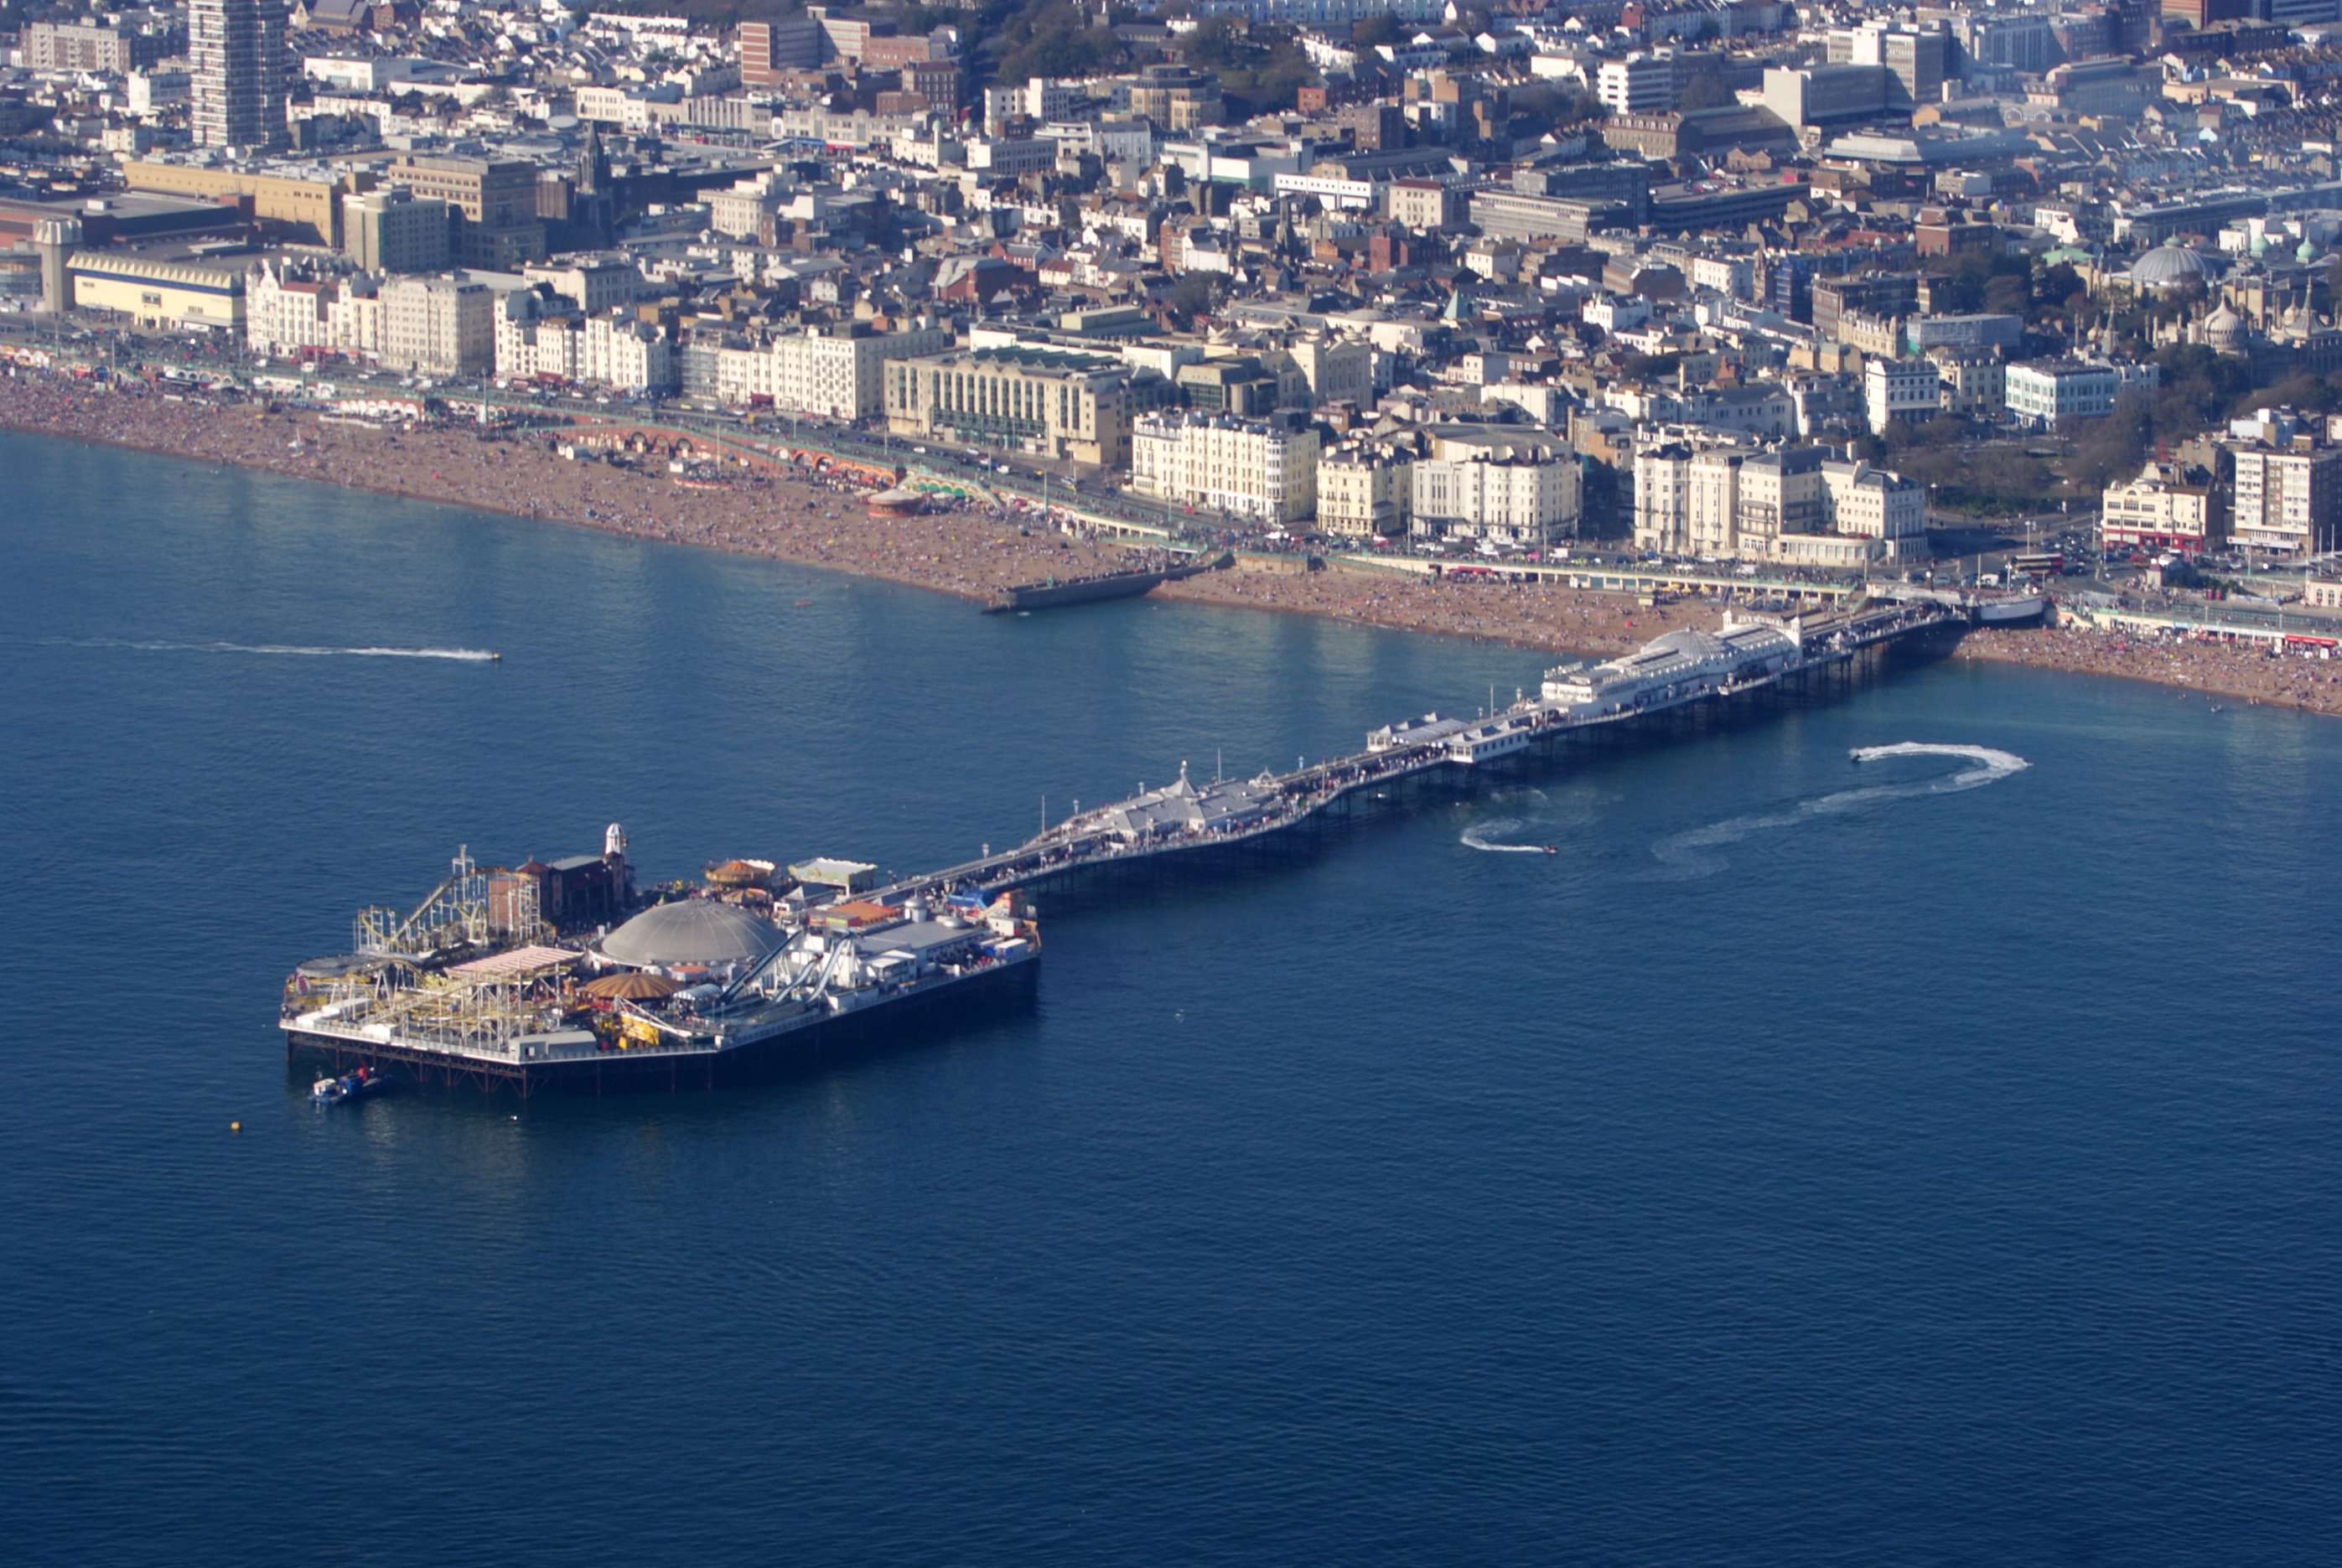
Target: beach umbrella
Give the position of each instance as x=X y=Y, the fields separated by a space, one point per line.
x=632 y=986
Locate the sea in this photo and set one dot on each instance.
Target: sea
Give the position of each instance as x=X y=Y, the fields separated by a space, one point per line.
x=1933 y=1159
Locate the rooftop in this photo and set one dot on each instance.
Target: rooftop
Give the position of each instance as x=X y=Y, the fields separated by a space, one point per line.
x=691 y=931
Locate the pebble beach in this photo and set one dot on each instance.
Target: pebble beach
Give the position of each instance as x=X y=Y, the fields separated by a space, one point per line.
x=2223 y=671
x=971 y=553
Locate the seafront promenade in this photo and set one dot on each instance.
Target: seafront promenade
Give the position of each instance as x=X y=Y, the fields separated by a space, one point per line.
x=966 y=550
x=973 y=550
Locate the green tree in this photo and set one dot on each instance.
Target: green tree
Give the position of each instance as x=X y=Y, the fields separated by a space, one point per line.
x=2301 y=390
x=1050 y=38
x=2196 y=388
x=1706 y=90
x=1555 y=104
x=1196 y=294
x=2111 y=448
x=2009 y=294
x=2057 y=286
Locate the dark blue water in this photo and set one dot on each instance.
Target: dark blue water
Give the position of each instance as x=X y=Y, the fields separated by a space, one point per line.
x=1775 y=1175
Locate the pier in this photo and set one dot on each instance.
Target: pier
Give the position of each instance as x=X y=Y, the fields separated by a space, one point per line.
x=480 y=986
x=1674 y=674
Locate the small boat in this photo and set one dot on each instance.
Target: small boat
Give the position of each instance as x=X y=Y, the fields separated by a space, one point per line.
x=348 y=1086
x=1553 y=849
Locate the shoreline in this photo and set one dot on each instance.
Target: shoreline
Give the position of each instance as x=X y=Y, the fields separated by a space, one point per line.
x=2204 y=669
x=805 y=520
x=966 y=553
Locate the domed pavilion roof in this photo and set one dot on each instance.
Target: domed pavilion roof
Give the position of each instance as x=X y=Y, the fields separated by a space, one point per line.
x=2223 y=329
x=691 y=931
x=2171 y=264
x=1691 y=641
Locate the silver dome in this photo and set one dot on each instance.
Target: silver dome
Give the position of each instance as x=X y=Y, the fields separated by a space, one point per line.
x=691 y=931
x=2169 y=266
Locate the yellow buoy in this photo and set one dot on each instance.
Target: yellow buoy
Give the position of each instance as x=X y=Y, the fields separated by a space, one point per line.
x=235 y=1126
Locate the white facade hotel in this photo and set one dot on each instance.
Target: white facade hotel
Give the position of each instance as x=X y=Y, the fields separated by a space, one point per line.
x=538 y=337
x=831 y=373
x=2053 y=394
x=2285 y=501
x=1364 y=493
x=1798 y=505
x=1686 y=500
x=1911 y=390
x=442 y=325
x=619 y=350
x=1250 y=468
x=1524 y=503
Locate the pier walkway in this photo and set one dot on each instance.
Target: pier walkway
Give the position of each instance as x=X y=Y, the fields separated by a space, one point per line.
x=1187 y=816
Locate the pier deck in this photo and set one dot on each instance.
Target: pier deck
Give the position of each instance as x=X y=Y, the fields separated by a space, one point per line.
x=510 y=1017
x=1186 y=816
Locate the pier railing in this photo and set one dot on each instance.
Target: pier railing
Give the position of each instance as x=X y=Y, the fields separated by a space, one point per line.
x=1094 y=837
x=505 y=1025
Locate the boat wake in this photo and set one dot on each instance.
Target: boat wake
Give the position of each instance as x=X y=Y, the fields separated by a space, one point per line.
x=294 y=650
x=1541 y=815
x=1476 y=838
x=1692 y=855
x=1991 y=764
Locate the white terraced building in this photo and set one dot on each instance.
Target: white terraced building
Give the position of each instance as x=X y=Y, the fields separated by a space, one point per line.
x=1797 y=506
x=1252 y=468
x=1521 y=502
x=535 y=337
x=617 y=351
x=538 y=337
x=288 y=309
x=835 y=374
x=1872 y=504
x=439 y=326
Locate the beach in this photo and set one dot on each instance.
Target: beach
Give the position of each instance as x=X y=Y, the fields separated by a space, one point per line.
x=2242 y=673
x=967 y=550
x=1550 y=618
x=811 y=520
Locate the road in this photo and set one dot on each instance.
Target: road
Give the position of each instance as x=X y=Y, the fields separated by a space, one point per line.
x=1053 y=483
x=1060 y=485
